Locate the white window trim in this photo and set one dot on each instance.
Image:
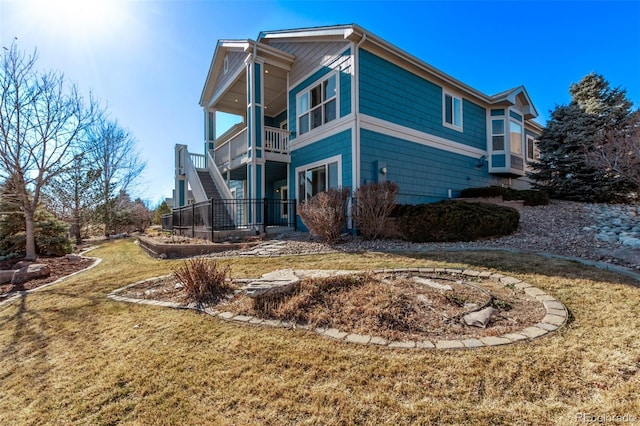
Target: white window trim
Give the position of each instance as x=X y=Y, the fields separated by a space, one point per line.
x=522 y=153
x=444 y=110
x=307 y=89
x=323 y=162
x=536 y=150
x=503 y=134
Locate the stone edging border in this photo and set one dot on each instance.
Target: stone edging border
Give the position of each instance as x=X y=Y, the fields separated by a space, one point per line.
x=556 y=315
x=12 y=297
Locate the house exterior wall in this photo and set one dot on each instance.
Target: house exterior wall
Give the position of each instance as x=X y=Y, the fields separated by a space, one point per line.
x=423 y=173
x=337 y=145
x=391 y=93
x=343 y=64
x=308 y=56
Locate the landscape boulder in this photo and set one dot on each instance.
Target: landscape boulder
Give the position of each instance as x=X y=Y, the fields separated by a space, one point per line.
x=30 y=272
x=479 y=318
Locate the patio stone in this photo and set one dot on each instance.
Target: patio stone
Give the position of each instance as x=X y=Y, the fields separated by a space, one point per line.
x=335 y=333
x=533 y=332
x=425 y=344
x=449 y=344
x=375 y=340
x=494 y=341
x=358 y=338
x=406 y=344
x=472 y=343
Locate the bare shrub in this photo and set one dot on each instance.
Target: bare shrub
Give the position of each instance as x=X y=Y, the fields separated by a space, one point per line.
x=374 y=204
x=325 y=213
x=619 y=155
x=204 y=280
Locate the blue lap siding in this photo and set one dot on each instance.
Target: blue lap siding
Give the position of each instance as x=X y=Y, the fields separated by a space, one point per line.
x=423 y=173
x=338 y=144
x=394 y=94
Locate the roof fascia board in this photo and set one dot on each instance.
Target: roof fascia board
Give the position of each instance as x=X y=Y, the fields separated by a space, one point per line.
x=372 y=40
x=216 y=62
x=332 y=31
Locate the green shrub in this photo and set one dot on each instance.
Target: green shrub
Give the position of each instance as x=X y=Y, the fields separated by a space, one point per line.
x=204 y=280
x=456 y=221
x=51 y=234
x=529 y=196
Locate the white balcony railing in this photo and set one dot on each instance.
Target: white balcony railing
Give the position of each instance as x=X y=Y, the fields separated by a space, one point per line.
x=229 y=152
x=276 y=140
x=198 y=160
x=232 y=149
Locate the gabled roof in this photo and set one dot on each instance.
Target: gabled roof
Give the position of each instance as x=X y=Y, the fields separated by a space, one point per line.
x=248 y=46
x=510 y=97
x=360 y=36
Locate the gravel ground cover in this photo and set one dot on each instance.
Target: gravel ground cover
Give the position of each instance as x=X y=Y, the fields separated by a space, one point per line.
x=562 y=228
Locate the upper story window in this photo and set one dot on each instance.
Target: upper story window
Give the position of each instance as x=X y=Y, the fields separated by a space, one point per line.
x=497 y=134
x=226 y=63
x=317 y=105
x=515 y=137
x=452 y=111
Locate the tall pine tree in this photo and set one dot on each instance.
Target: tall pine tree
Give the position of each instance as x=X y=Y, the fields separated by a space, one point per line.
x=573 y=131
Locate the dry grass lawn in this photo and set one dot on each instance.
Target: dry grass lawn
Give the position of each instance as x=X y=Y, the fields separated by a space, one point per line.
x=69 y=355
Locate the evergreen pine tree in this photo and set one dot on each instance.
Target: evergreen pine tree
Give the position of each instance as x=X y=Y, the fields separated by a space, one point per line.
x=573 y=131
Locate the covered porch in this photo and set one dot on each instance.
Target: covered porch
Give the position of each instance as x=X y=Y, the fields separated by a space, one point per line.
x=249 y=80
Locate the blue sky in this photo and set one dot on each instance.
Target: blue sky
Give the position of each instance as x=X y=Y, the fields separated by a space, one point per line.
x=147 y=60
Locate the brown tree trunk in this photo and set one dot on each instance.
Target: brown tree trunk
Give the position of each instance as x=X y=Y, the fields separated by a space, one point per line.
x=30 y=236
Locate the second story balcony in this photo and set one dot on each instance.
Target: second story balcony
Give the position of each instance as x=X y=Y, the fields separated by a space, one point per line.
x=231 y=148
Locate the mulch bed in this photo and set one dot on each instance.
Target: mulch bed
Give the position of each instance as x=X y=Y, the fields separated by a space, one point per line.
x=386 y=306
x=59 y=266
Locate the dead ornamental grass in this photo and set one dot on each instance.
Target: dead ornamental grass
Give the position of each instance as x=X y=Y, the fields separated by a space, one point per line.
x=69 y=355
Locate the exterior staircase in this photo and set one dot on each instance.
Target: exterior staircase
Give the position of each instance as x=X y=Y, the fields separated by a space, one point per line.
x=221 y=218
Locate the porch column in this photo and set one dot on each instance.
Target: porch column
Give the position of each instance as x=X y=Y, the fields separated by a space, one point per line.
x=255 y=131
x=180 y=191
x=209 y=129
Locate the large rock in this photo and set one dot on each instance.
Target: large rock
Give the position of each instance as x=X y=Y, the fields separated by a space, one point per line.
x=31 y=272
x=479 y=318
x=6 y=276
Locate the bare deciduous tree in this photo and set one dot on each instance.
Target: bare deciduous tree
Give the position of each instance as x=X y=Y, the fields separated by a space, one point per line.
x=72 y=195
x=41 y=120
x=619 y=154
x=111 y=150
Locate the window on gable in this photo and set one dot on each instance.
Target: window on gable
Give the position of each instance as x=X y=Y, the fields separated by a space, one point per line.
x=317 y=178
x=317 y=105
x=452 y=113
x=226 y=63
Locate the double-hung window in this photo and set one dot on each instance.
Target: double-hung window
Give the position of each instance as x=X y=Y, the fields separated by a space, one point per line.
x=317 y=105
x=452 y=111
x=317 y=178
x=497 y=134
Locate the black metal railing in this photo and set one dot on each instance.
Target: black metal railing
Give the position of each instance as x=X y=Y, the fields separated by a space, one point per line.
x=204 y=218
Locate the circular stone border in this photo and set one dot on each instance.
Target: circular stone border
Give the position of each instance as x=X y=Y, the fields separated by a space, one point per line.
x=556 y=314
